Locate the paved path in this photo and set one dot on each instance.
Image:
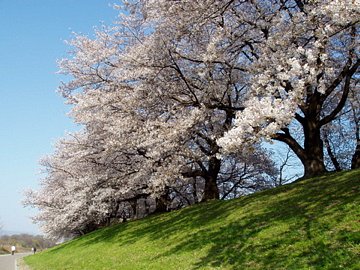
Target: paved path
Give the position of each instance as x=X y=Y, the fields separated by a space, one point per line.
x=7 y=262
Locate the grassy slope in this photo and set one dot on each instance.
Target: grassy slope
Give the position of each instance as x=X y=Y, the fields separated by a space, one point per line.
x=312 y=224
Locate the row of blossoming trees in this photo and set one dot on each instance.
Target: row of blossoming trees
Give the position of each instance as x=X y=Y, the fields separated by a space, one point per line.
x=177 y=97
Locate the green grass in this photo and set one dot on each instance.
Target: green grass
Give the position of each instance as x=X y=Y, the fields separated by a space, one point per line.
x=311 y=224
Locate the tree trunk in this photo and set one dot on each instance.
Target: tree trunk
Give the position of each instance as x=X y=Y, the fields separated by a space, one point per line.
x=133 y=203
x=162 y=203
x=313 y=167
x=355 y=161
x=313 y=148
x=211 y=190
x=311 y=155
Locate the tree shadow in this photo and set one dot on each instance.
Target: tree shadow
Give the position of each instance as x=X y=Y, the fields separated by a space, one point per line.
x=275 y=229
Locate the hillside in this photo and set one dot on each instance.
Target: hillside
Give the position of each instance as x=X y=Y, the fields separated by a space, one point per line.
x=311 y=224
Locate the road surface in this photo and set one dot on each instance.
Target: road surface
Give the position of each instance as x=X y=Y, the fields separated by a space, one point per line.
x=7 y=262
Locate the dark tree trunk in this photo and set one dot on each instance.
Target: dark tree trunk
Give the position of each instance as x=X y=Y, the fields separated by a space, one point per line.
x=313 y=167
x=313 y=159
x=133 y=203
x=311 y=155
x=211 y=190
x=355 y=161
x=162 y=203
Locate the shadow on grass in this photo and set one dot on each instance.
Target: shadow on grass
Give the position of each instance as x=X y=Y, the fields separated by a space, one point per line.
x=277 y=229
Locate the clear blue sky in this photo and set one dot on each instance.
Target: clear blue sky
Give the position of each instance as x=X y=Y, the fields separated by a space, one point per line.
x=32 y=114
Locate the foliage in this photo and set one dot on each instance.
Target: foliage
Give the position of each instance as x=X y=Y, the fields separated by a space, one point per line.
x=176 y=98
x=303 y=72
x=310 y=224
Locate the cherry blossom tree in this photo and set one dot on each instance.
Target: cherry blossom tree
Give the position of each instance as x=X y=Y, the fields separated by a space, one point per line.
x=152 y=112
x=304 y=71
x=83 y=189
x=176 y=98
x=177 y=84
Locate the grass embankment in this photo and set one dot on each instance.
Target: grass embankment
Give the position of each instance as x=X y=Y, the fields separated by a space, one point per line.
x=311 y=224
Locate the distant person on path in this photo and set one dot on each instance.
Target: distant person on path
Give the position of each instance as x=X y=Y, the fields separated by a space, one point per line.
x=13 y=249
x=33 y=249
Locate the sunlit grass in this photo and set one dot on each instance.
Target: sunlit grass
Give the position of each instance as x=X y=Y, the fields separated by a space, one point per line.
x=311 y=224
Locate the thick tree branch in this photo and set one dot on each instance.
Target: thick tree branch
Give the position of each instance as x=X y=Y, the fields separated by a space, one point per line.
x=342 y=75
x=291 y=142
x=346 y=88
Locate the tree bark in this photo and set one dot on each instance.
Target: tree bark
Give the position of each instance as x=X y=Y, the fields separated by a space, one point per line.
x=162 y=202
x=313 y=167
x=313 y=146
x=311 y=155
x=355 y=161
x=211 y=190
